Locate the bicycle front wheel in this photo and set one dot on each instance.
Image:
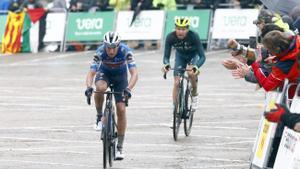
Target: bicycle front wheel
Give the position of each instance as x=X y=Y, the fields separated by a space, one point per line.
x=112 y=140
x=105 y=146
x=176 y=117
x=189 y=113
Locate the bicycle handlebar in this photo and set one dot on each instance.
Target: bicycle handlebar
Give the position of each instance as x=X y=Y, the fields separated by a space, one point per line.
x=165 y=74
x=110 y=92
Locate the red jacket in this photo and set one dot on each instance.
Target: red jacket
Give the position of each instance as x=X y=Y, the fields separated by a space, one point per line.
x=286 y=66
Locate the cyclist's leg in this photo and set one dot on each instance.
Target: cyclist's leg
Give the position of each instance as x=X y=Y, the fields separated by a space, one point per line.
x=192 y=76
x=180 y=63
x=120 y=83
x=194 y=82
x=101 y=83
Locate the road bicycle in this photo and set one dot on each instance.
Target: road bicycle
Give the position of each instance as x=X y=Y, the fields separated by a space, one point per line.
x=183 y=108
x=109 y=128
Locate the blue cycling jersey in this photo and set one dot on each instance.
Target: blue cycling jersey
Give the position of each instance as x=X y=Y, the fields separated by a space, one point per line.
x=116 y=65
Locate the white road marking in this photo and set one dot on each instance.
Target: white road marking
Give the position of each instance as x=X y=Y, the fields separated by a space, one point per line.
x=128 y=144
x=230 y=143
x=47 y=163
x=173 y=156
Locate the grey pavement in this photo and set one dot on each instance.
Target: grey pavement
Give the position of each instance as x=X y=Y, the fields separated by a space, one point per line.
x=45 y=122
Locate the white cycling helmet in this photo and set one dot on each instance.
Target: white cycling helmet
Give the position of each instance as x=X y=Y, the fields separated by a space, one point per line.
x=111 y=39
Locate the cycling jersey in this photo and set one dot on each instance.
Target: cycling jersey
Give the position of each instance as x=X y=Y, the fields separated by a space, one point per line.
x=113 y=70
x=188 y=47
x=116 y=65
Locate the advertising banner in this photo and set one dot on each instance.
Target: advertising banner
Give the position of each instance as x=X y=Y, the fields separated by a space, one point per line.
x=89 y=26
x=2 y=26
x=148 y=25
x=199 y=21
x=55 y=27
x=234 y=23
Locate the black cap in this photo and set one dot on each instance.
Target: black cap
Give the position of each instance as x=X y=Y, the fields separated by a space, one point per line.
x=264 y=16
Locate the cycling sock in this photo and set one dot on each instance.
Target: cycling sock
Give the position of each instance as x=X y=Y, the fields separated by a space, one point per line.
x=194 y=92
x=120 y=141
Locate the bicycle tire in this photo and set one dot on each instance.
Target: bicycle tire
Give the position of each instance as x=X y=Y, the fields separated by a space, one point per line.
x=105 y=147
x=189 y=114
x=111 y=147
x=177 y=115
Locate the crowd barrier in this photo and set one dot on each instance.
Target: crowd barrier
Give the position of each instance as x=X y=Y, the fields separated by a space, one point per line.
x=288 y=155
x=64 y=27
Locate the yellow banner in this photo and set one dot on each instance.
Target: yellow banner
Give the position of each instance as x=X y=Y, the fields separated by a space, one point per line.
x=262 y=139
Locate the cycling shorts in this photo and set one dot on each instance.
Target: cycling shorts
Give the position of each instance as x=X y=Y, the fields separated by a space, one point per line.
x=119 y=82
x=181 y=61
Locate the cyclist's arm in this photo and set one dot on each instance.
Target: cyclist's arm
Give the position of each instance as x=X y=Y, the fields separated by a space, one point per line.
x=167 y=52
x=133 y=77
x=93 y=69
x=90 y=78
x=132 y=70
x=200 y=51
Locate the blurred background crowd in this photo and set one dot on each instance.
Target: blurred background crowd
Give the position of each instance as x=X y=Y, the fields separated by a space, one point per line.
x=117 y=5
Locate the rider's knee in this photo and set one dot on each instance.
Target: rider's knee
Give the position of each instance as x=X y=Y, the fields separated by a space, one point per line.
x=101 y=88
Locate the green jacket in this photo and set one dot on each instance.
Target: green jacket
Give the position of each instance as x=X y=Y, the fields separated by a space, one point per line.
x=168 y=4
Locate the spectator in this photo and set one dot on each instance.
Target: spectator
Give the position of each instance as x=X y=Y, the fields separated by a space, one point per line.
x=31 y=4
x=282 y=114
x=103 y=5
x=239 y=68
x=59 y=4
x=165 y=4
x=142 y=4
x=120 y=5
x=15 y=5
x=295 y=15
x=4 y=5
x=285 y=48
x=82 y=5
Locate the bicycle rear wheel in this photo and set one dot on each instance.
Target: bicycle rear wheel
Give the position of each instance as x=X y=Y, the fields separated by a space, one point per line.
x=177 y=116
x=105 y=146
x=189 y=113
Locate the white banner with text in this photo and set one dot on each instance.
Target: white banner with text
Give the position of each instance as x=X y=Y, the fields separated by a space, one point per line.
x=148 y=25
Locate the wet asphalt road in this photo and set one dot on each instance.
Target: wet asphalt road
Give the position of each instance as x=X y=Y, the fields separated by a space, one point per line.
x=45 y=122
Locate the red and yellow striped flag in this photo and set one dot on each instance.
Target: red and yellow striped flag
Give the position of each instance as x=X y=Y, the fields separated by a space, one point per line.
x=11 y=42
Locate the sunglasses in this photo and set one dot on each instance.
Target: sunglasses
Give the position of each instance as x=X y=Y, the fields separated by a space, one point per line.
x=111 y=45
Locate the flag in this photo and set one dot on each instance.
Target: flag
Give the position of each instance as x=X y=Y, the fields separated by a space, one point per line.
x=11 y=42
x=36 y=14
x=26 y=34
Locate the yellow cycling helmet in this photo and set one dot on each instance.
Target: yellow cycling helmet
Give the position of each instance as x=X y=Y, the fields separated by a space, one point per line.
x=182 y=22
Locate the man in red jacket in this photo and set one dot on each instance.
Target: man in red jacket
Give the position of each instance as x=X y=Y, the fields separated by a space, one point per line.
x=282 y=114
x=285 y=48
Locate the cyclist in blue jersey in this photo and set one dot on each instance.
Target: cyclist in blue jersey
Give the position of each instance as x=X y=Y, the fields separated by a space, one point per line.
x=110 y=65
x=189 y=54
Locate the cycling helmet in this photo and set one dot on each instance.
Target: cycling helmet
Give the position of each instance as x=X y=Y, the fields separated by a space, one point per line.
x=111 y=39
x=182 y=22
